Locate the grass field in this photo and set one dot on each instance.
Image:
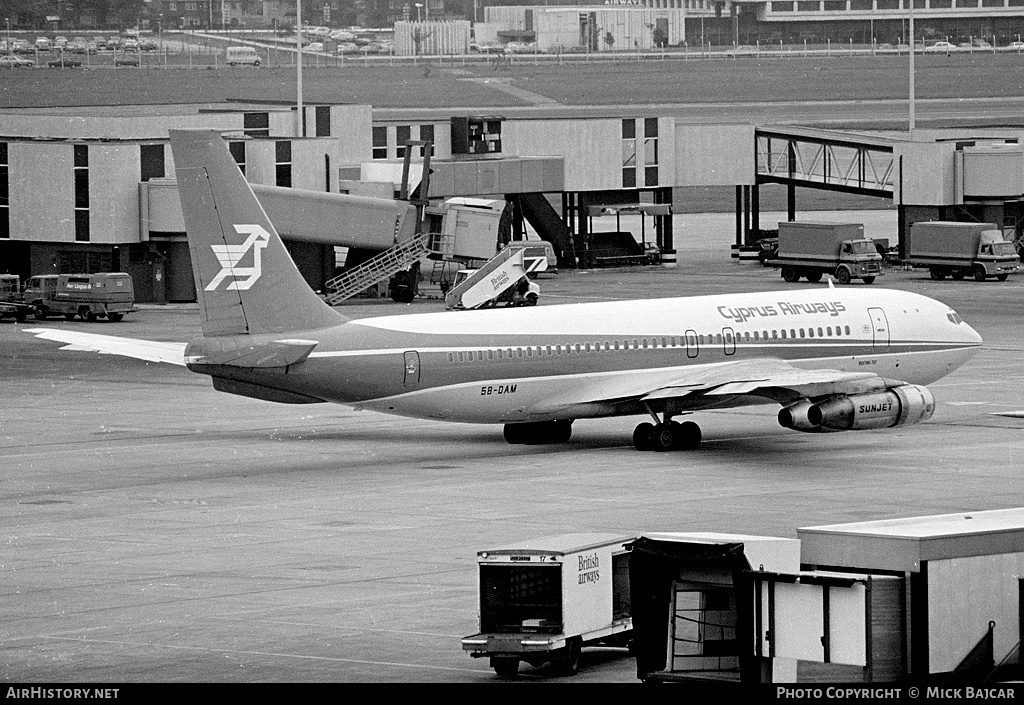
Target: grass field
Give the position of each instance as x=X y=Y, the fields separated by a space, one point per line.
x=450 y=84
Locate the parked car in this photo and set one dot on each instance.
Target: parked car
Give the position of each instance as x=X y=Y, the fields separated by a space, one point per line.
x=13 y=61
x=939 y=47
x=347 y=48
x=64 y=62
x=43 y=44
x=315 y=46
x=1016 y=46
x=127 y=59
x=768 y=249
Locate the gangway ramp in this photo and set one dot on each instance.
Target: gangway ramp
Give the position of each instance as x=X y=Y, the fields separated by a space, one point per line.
x=549 y=225
x=377 y=269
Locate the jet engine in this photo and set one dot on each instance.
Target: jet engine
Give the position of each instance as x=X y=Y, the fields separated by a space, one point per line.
x=898 y=406
x=795 y=417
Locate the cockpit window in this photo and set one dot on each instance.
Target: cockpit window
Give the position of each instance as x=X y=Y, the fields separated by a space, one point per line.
x=954 y=318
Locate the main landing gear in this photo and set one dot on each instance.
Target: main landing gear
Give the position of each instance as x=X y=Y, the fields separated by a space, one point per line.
x=539 y=432
x=666 y=435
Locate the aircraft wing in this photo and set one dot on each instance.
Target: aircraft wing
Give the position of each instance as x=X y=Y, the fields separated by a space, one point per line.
x=771 y=378
x=149 y=350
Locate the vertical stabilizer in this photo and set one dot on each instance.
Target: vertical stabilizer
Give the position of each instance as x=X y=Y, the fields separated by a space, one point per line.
x=245 y=280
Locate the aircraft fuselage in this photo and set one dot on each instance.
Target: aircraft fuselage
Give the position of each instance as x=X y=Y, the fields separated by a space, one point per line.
x=508 y=366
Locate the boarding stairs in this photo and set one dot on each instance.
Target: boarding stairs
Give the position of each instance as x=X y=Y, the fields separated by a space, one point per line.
x=377 y=269
x=483 y=286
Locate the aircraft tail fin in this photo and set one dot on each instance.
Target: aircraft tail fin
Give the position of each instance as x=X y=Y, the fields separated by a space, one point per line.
x=246 y=282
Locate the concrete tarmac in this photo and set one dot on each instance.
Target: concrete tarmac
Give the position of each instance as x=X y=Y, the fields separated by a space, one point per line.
x=155 y=530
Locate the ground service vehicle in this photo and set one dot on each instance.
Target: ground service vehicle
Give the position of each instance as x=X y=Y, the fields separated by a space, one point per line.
x=503 y=279
x=107 y=295
x=11 y=303
x=542 y=600
x=959 y=249
x=241 y=55
x=813 y=249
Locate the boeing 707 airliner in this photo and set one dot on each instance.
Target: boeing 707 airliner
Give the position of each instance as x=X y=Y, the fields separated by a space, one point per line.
x=833 y=359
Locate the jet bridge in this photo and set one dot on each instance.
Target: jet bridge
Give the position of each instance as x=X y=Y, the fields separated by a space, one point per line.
x=828 y=160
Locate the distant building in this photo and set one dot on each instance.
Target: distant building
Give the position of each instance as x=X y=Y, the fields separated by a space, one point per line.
x=726 y=22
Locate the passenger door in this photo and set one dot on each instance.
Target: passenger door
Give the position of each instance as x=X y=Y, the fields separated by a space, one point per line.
x=879 y=328
x=412 y=369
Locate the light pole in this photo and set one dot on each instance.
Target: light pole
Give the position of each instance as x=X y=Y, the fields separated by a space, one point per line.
x=299 y=122
x=912 y=47
x=7 y=39
x=419 y=18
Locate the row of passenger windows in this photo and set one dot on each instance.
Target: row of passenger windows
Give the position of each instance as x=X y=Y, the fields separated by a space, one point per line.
x=690 y=340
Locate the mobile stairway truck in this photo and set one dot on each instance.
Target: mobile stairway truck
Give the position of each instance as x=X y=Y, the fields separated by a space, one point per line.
x=542 y=600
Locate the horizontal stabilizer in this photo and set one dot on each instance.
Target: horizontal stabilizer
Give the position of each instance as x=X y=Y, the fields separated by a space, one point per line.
x=149 y=350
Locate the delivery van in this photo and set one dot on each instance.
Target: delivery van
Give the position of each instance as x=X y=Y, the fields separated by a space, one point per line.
x=107 y=295
x=241 y=55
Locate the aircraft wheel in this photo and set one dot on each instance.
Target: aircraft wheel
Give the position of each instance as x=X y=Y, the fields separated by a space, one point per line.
x=843 y=275
x=505 y=666
x=560 y=431
x=663 y=438
x=689 y=436
x=980 y=274
x=514 y=433
x=643 y=436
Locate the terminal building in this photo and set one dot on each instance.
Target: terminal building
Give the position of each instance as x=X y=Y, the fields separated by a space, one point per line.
x=93 y=189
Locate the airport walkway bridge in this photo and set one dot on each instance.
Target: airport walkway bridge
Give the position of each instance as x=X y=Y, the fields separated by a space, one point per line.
x=813 y=158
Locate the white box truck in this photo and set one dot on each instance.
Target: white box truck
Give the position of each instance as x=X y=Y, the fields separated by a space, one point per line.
x=961 y=249
x=542 y=600
x=811 y=250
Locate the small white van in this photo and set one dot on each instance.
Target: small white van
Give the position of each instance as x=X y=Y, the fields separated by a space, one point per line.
x=241 y=55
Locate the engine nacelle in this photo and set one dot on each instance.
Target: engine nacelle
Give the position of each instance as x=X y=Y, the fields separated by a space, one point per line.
x=795 y=417
x=898 y=406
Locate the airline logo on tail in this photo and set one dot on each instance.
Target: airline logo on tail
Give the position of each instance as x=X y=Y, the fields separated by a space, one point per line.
x=230 y=255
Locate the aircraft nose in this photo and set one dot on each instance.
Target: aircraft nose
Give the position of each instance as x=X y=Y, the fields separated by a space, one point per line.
x=972 y=336
x=967 y=335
